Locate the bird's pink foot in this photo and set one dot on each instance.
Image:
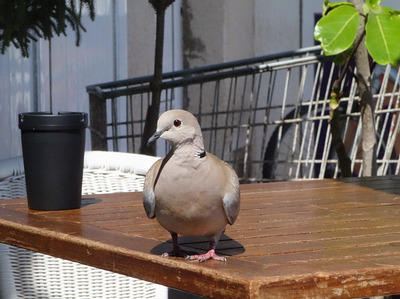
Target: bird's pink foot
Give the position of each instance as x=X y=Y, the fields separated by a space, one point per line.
x=203 y=257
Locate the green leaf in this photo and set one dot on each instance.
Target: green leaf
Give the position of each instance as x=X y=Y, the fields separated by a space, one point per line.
x=328 y=6
x=374 y=5
x=383 y=36
x=337 y=30
x=325 y=7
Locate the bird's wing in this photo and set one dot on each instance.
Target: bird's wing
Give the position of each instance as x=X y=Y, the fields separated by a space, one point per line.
x=231 y=199
x=231 y=207
x=149 y=199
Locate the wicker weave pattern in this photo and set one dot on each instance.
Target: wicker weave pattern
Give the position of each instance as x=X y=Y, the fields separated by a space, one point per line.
x=103 y=181
x=13 y=187
x=40 y=276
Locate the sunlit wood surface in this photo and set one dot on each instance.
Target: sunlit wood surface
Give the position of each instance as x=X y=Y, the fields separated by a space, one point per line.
x=324 y=238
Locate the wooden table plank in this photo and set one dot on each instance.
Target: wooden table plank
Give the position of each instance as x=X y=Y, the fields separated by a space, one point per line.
x=324 y=238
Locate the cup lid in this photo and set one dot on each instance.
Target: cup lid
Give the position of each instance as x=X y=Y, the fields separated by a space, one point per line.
x=46 y=121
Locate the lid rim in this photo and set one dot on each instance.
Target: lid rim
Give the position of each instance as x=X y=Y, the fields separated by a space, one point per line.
x=49 y=122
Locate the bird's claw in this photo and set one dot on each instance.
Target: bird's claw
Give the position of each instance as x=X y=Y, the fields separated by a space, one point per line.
x=204 y=257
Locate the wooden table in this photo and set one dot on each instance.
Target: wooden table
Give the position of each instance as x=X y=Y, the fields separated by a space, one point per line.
x=295 y=239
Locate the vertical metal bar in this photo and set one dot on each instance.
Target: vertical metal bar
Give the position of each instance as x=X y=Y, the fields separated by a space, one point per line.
x=114 y=38
x=114 y=124
x=50 y=79
x=214 y=117
x=299 y=126
x=98 y=122
x=354 y=149
x=320 y=120
x=249 y=130
x=130 y=124
x=283 y=114
x=240 y=122
x=36 y=76
x=233 y=156
x=200 y=103
x=394 y=124
x=251 y=170
x=326 y=154
x=390 y=144
x=379 y=107
x=268 y=104
x=228 y=112
x=127 y=127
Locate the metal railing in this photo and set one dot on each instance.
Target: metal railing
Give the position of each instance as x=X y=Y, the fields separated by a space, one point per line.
x=266 y=116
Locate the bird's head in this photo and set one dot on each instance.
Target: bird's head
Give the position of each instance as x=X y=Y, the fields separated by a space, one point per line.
x=178 y=127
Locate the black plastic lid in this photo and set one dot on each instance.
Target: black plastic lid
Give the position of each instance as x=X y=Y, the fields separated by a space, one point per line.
x=45 y=121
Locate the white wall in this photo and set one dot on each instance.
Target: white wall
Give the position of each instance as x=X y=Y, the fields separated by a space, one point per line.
x=276 y=26
x=119 y=44
x=15 y=96
x=99 y=58
x=141 y=31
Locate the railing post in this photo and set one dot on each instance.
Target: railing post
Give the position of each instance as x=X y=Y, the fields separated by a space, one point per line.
x=98 y=122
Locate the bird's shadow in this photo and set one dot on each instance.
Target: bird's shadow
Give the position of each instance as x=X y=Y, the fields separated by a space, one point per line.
x=199 y=245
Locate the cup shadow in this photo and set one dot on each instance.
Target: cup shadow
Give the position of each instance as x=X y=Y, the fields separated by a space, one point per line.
x=87 y=201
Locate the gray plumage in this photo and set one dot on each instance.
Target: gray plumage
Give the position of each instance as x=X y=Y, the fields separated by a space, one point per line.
x=190 y=192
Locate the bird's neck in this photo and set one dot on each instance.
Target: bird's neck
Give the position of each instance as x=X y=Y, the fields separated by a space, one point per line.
x=190 y=148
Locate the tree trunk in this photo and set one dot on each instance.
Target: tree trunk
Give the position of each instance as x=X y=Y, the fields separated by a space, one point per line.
x=156 y=85
x=366 y=100
x=343 y=159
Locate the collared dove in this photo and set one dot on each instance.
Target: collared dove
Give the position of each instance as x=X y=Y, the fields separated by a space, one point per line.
x=190 y=192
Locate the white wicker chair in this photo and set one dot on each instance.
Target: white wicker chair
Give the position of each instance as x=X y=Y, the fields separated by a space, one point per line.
x=27 y=274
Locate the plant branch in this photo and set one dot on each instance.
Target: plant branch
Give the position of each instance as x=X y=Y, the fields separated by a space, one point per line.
x=346 y=66
x=363 y=76
x=343 y=159
x=153 y=110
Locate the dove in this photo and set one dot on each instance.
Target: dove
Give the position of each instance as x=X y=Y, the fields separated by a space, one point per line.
x=190 y=192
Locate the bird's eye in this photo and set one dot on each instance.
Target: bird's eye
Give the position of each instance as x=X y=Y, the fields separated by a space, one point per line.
x=177 y=123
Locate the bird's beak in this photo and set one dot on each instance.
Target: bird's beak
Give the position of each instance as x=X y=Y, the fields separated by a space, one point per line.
x=155 y=136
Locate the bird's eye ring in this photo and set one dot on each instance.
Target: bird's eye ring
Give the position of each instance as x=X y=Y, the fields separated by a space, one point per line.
x=177 y=123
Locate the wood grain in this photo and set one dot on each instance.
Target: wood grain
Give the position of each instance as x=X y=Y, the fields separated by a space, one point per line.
x=314 y=239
